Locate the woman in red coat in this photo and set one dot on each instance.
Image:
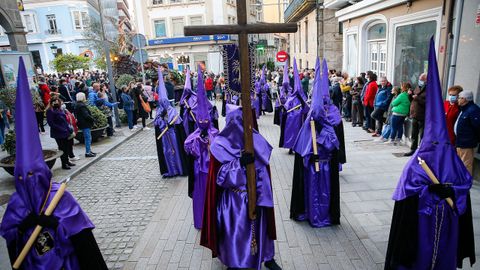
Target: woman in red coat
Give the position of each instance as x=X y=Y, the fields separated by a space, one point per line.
x=368 y=101
x=451 y=110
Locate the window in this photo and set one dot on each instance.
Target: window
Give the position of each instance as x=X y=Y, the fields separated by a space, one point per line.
x=2 y=31
x=160 y=29
x=175 y=1
x=377 y=31
x=411 y=51
x=29 y=22
x=196 y=20
x=52 y=24
x=306 y=37
x=157 y=2
x=377 y=48
x=352 y=54
x=177 y=27
x=80 y=20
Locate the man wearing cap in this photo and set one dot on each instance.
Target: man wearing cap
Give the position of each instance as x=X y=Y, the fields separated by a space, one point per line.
x=467 y=129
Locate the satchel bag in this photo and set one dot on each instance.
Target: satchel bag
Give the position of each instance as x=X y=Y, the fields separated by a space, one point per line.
x=145 y=105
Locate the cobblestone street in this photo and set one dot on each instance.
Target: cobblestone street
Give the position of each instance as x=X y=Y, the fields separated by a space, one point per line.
x=145 y=222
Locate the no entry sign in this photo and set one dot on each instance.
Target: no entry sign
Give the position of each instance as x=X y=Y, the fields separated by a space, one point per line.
x=282 y=56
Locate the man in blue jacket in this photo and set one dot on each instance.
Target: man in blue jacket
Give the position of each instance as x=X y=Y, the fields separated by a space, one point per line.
x=382 y=101
x=467 y=129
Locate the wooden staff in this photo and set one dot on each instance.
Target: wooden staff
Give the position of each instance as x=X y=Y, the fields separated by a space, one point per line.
x=166 y=128
x=433 y=178
x=294 y=108
x=190 y=109
x=314 y=143
x=53 y=204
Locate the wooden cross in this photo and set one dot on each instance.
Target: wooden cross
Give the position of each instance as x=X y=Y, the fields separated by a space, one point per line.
x=242 y=29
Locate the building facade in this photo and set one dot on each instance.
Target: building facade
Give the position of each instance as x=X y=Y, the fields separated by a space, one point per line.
x=53 y=24
x=162 y=22
x=319 y=34
x=391 y=38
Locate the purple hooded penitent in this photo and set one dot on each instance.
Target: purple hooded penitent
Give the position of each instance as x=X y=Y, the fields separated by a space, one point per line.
x=189 y=97
x=197 y=145
x=295 y=118
x=35 y=190
x=165 y=116
x=316 y=184
x=232 y=203
x=266 y=102
x=437 y=221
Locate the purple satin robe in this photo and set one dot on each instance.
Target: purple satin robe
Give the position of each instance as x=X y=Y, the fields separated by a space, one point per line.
x=316 y=184
x=198 y=147
x=234 y=226
x=169 y=143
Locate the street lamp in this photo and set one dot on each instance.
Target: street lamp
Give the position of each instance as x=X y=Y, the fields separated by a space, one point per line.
x=54 y=50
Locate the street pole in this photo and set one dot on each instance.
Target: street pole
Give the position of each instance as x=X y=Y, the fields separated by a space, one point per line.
x=111 y=81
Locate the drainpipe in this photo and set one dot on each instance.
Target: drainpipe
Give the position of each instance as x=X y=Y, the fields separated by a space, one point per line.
x=320 y=38
x=456 y=38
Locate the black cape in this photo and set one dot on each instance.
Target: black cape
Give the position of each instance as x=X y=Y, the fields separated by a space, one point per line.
x=180 y=135
x=86 y=249
x=403 y=244
x=297 y=203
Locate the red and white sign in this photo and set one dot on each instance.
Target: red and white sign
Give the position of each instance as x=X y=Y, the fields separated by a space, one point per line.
x=282 y=56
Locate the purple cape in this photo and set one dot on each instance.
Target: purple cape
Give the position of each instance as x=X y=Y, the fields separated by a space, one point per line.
x=33 y=184
x=233 y=225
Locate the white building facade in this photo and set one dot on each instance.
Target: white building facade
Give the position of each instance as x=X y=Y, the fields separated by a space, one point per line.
x=162 y=22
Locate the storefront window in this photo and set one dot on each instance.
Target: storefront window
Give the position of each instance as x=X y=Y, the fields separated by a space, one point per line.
x=411 y=51
x=352 y=55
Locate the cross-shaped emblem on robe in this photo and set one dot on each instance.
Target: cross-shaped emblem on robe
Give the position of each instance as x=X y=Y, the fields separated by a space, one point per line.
x=242 y=29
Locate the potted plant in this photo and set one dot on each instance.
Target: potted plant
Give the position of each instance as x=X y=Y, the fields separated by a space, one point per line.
x=100 y=123
x=8 y=163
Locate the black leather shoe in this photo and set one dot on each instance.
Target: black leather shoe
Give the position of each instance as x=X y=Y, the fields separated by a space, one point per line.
x=272 y=265
x=66 y=167
x=409 y=154
x=90 y=155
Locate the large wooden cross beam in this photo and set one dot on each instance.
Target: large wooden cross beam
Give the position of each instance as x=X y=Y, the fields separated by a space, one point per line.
x=242 y=29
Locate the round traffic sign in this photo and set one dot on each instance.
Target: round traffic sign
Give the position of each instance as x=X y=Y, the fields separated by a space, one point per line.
x=282 y=56
x=139 y=41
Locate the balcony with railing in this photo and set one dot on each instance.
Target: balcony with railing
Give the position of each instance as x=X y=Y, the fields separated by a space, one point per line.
x=53 y=32
x=298 y=9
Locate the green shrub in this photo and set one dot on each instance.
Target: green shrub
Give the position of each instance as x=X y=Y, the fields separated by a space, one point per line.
x=123 y=116
x=124 y=79
x=9 y=94
x=9 y=143
x=100 y=120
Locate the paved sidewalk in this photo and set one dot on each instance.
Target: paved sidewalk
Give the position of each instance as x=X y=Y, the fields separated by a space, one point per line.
x=145 y=222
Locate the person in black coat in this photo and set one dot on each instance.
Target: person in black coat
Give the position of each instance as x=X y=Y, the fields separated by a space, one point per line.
x=60 y=130
x=65 y=94
x=467 y=129
x=84 y=122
